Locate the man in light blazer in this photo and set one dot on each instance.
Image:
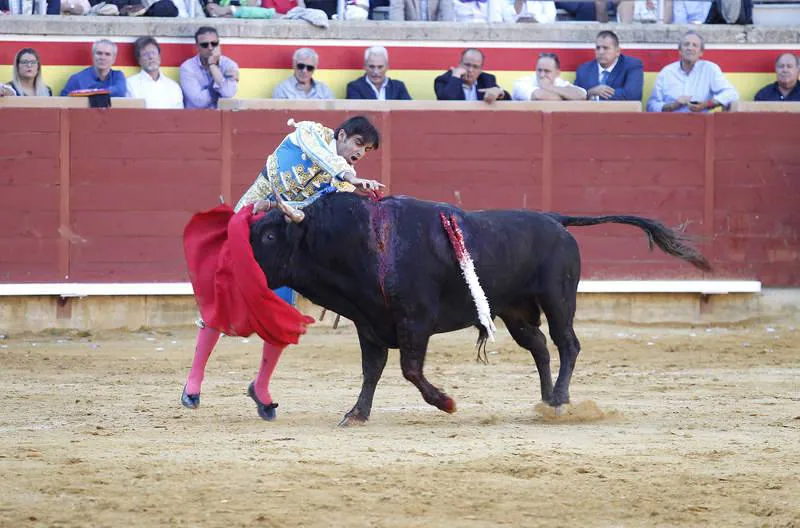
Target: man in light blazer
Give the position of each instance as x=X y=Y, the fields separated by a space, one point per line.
x=611 y=76
x=374 y=84
x=438 y=10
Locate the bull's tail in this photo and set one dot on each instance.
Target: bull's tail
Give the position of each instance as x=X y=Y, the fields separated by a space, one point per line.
x=668 y=240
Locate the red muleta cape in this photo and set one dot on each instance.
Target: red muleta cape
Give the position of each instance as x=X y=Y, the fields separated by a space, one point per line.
x=229 y=286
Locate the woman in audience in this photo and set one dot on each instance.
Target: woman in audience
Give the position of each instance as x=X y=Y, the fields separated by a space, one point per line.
x=27 y=76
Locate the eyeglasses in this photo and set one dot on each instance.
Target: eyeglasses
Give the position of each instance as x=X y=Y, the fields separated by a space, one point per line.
x=28 y=63
x=149 y=53
x=212 y=44
x=307 y=67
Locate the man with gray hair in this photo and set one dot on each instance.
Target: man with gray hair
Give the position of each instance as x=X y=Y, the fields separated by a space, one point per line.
x=374 y=84
x=786 y=86
x=301 y=85
x=99 y=76
x=691 y=84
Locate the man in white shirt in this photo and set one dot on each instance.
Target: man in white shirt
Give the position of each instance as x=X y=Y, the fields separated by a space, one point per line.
x=546 y=84
x=691 y=84
x=157 y=90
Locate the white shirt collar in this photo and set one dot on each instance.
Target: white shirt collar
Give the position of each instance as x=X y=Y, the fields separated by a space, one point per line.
x=471 y=92
x=379 y=91
x=600 y=69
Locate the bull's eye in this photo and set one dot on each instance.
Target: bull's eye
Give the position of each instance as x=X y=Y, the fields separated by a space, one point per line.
x=270 y=236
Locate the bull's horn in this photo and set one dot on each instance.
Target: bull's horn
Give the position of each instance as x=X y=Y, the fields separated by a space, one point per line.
x=293 y=214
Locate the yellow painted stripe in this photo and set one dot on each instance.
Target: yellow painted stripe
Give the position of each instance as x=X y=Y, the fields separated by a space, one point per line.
x=259 y=83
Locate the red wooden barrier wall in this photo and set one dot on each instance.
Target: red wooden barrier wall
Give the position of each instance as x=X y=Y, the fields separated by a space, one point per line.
x=102 y=196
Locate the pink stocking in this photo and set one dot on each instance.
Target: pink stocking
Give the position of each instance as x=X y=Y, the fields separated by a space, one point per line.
x=269 y=360
x=206 y=340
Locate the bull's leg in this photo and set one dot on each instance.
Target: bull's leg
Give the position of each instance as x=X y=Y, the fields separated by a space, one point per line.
x=373 y=360
x=523 y=325
x=413 y=347
x=560 y=313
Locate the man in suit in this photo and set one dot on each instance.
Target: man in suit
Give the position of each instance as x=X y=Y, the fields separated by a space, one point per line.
x=611 y=76
x=468 y=81
x=374 y=84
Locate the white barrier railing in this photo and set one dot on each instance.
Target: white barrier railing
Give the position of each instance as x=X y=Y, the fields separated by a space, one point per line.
x=703 y=287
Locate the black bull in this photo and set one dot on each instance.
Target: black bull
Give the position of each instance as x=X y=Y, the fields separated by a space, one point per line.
x=390 y=268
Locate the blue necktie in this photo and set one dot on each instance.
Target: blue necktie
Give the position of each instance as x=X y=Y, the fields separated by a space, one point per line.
x=603 y=76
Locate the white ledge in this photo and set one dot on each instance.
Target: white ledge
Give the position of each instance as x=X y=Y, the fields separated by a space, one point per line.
x=705 y=287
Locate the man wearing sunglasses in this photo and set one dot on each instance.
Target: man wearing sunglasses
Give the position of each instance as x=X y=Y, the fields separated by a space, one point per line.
x=208 y=76
x=301 y=85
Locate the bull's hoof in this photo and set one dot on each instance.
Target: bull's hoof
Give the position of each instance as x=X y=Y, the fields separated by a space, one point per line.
x=190 y=401
x=350 y=420
x=448 y=405
x=265 y=410
x=558 y=400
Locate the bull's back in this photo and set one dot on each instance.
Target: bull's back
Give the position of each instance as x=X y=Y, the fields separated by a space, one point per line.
x=509 y=247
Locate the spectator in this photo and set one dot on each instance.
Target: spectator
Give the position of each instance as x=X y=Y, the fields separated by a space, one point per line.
x=583 y=11
x=435 y=10
x=546 y=84
x=208 y=76
x=329 y=7
x=481 y=11
x=786 y=87
x=30 y=7
x=26 y=77
x=75 y=7
x=691 y=84
x=157 y=90
x=468 y=81
x=240 y=9
x=689 y=12
x=611 y=76
x=374 y=84
x=539 y=11
x=99 y=76
x=301 y=85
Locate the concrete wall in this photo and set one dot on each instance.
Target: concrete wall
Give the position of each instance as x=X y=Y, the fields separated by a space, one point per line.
x=418 y=51
x=571 y=32
x=35 y=314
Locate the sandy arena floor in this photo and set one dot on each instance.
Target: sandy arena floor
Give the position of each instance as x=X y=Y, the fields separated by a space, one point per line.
x=668 y=427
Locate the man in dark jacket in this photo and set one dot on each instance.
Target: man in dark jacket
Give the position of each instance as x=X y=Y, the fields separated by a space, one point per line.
x=611 y=76
x=374 y=84
x=468 y=81
x=786 y=86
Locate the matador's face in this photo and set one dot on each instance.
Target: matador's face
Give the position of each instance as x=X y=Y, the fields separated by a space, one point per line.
x=352 y=148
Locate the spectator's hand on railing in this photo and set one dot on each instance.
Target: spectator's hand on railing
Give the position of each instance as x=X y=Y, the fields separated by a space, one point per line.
x=6 y=91
x=677 y=104
x=702 y=106
x=491 y=94
x=602 y=91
